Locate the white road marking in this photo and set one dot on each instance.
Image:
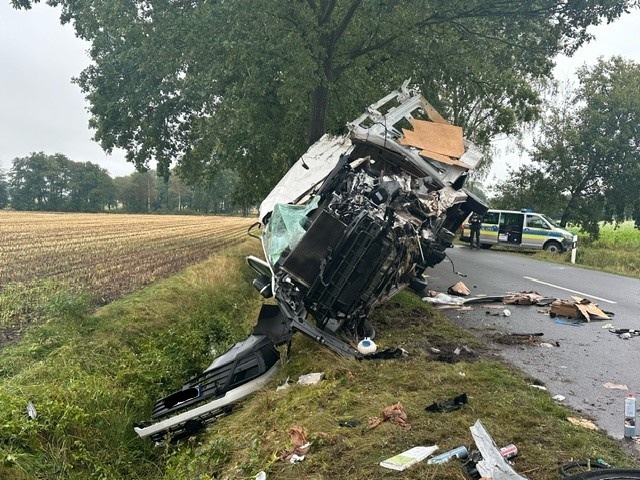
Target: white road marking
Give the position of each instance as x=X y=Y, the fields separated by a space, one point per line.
x=569 y=290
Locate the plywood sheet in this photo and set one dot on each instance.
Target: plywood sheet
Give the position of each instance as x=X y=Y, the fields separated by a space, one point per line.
x=440 y=138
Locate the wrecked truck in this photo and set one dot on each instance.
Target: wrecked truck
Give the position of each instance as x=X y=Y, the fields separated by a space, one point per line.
x=355 y=220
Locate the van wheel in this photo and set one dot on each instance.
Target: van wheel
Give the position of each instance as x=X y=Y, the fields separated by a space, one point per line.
x=553 y=247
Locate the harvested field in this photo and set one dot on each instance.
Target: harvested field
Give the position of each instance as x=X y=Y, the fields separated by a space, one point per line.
x=110 y=255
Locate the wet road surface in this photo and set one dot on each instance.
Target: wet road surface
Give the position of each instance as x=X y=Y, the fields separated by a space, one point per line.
x=588 y=355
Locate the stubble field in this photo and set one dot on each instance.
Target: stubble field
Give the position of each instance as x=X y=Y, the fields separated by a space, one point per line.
x=106 y=256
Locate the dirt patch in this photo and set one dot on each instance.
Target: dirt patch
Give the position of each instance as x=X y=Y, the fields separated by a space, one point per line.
x=9 y=335
x=525 y=340
x=449 y=353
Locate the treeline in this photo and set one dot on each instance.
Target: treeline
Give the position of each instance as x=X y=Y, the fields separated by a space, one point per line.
x=585 y=162
x=41 y=182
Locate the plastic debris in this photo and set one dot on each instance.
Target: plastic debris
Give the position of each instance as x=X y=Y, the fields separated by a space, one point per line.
x=506 y=312
x=349 y=423
x=444 y=299
x=561 y=321
x=615 y=386
x=284 y=386
x=450 y=405
x=310 y=378
x=539 y=387
x=367 y=346
x=31 y=410
x=559 y=398
x=386 y=354
x=261 y=476
x=493 y=465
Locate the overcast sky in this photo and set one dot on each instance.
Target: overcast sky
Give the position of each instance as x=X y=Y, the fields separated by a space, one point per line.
x=41 y=110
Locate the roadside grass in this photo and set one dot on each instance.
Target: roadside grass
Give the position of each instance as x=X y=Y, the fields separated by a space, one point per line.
x=254 y=437
x=616 y=251
x=91 y=377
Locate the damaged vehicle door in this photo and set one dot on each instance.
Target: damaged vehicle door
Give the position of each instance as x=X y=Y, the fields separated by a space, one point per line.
x=358 y=218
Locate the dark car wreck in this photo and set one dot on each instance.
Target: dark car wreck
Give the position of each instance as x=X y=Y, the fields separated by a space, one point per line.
x=358 y=218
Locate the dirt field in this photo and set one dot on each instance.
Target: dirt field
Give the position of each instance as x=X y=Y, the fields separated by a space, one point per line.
x=112 y=255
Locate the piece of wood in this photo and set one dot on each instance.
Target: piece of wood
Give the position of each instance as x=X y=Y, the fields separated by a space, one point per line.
x=439 y=138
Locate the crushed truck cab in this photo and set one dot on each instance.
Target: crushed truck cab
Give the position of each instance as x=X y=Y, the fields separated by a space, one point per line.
x=355 y=220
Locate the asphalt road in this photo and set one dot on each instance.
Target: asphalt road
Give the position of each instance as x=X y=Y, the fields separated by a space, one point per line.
x=588 y=355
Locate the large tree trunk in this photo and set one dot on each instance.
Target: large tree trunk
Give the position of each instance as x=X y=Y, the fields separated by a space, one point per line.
x=318 y=121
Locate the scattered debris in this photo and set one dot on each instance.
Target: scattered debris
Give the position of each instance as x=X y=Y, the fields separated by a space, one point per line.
x=444 y=299
x=559 y=398
x=367 y=346
x=615 y=386
x=527 y=339
x=484 y=299
x=625 y=333
x=394 y=414
x=523 y=298
x=284 y=385
x=458 y=354
x=458 y=452
x=506 y=313
x=493 y=465
x=300 y=445
x=459 y=289
x=31 y=410
x=353 y=423
x=608 y=325
x=581 y=422
x=580 y=308
x=539 y=387
x=261 y=476
x=310 y=378
x=404 y=460
x=561 y=321
x=387 y=354
x=450 y=405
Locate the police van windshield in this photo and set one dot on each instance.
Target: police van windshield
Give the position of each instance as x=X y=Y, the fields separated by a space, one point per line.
x=551 y=222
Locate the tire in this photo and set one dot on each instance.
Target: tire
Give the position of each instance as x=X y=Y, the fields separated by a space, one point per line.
x=553 y=247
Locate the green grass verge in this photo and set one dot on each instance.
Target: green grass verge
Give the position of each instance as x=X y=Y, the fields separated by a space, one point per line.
x=91 y=377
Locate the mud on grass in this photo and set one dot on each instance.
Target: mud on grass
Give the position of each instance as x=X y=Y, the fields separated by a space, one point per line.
x=256 y=435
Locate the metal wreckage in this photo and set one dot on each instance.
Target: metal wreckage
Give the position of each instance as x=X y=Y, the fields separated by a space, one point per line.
x=355 y=220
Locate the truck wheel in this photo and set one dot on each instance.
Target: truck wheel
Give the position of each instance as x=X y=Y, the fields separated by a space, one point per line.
x=553 y=247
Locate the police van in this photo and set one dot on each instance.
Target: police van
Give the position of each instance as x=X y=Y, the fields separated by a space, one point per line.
x=524 y=229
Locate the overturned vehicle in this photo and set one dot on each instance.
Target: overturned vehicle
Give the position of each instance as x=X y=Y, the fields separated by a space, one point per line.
x=358 y=218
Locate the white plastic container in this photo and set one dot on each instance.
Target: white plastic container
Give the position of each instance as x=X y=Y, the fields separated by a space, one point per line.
x=630 y=416
x=366 y=346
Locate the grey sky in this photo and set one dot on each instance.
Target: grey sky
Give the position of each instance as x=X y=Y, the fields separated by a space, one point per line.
x=621 y=37
x=40 y=110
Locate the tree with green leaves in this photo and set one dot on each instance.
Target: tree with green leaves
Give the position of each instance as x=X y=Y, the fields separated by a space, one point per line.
x=249 y=84
x=4 y=190
x=587 y=162
x=55 y=183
